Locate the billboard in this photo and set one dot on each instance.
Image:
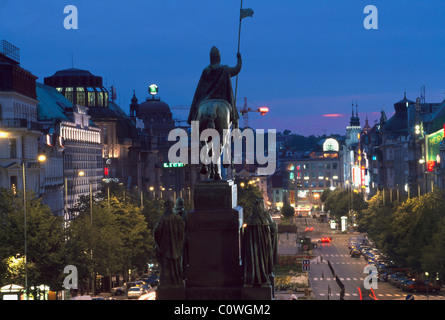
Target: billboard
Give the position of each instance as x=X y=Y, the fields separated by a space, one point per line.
x=433 y=148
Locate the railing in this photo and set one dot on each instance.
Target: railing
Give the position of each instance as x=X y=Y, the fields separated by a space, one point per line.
x=20 y=123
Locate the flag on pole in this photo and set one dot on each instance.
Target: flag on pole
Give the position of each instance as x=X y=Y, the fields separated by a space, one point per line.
x=246 y=13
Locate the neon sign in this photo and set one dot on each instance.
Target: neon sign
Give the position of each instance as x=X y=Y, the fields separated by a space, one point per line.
x=173 y=165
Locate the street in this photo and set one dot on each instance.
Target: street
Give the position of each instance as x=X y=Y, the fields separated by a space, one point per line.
x=350 y=271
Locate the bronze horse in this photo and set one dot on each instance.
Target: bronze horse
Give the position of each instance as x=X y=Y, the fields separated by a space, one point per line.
x=214 y=114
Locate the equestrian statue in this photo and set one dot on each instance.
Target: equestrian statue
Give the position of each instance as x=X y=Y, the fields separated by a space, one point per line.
x=214 y=107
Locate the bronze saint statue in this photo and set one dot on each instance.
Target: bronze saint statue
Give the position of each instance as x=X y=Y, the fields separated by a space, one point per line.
x=180 y=211
x=215 y=84
x=258 y=248
x=169 y=244
x=214 y=107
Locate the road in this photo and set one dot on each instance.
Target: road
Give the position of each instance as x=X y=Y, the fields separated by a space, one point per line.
x=350 y=271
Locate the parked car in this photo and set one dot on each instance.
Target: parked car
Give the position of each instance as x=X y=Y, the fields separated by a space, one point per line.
x=394 y=277
x=118 y=291
x=135 y=292
x=423 y=286
x=152 y=280
x=401 y=280
x=406 y=284
x=355 y=253
x=384 y=274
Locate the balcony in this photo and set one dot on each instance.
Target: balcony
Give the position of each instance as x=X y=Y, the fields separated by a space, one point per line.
x=19 y=124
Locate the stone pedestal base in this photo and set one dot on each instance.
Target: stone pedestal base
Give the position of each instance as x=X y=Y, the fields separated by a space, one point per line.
x=214 y=243
x=213 y=248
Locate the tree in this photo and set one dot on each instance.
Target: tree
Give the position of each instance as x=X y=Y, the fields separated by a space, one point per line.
x=340 y=201
x=45 y=245
x=247 y=194
x=287 y=211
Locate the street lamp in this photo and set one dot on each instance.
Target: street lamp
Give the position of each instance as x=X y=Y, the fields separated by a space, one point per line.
x=40 y=158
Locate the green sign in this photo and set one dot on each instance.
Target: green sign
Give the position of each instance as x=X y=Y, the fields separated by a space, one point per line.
x=173 y=165
x=153 y=89
x=433 y=145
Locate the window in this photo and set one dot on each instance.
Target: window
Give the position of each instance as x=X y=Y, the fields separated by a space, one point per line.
x=13 y=184
x=69 y=94
x=100 y=98
x=91 y=97
x=13 y=148
x=80 y=96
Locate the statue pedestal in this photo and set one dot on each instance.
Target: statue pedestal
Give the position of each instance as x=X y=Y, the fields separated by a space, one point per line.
x=214 y=248
x=214 y=237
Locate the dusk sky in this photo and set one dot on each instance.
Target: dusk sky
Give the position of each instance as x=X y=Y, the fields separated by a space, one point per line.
x=303 y=59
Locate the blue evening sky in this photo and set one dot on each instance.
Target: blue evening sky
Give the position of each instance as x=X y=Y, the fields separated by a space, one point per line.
x=304 y=59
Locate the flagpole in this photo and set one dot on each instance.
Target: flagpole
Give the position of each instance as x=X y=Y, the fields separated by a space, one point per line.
x=239 y=39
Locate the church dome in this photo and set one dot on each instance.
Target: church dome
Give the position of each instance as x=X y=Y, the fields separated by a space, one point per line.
x=153 y=106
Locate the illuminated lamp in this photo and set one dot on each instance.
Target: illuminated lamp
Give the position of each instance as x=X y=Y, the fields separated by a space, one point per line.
x=106 y=171
x=431 y=165
x=263 y=110
x=41 y=158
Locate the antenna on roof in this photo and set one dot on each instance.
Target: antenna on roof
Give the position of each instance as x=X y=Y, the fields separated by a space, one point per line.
x=422 y=94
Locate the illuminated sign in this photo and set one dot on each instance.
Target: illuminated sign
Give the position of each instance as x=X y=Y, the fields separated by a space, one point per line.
x=153 y=89
x=431 y=165
x=173 y=165
x=433 y=148
x=330 y=144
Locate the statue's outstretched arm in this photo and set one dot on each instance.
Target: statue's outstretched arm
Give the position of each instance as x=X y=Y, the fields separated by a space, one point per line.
x=235 y=70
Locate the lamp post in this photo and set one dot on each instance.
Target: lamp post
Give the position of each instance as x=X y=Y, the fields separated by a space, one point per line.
x=40 y=158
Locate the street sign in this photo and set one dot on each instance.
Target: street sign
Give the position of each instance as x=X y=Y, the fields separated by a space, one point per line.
x=306 y=265
x=409 y=297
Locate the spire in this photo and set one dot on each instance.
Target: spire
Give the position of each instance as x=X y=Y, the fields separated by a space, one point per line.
x=133 y=106
x=366 y=127
x=355 y=121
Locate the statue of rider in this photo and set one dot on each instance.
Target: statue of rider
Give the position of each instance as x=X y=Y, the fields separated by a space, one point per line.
x=215 y=83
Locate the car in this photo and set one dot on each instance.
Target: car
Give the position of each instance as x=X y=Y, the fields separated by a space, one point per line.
x=401 y=280
x=118 y=291
x=355 y=254
x=422 y=286
x=135 y=292
x=152 y=280
x=326 y=239
x=383 y=275
x=406 y=284
x=396 y=277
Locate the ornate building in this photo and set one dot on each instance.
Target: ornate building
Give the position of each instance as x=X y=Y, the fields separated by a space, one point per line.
x=127 y=153
x=70 y=131
x=19 y=130
x=158 y=121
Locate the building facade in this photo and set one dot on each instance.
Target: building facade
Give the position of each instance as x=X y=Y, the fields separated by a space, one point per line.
x=19 y=130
